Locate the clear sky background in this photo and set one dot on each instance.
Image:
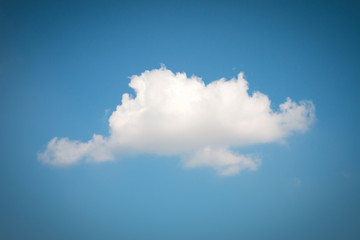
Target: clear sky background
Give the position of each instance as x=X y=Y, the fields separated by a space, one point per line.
x=64 y=66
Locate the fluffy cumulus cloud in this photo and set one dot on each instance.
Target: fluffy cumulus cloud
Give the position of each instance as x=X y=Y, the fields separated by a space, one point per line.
x=173 y=114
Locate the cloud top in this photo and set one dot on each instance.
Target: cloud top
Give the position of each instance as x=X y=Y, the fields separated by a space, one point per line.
x=176 y=114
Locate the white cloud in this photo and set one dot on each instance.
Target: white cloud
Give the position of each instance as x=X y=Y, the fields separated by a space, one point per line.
x=66 y=152
x=175 y=114
x=222 y=160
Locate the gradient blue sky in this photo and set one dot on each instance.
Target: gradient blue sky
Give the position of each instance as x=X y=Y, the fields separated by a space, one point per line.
x=64 y=63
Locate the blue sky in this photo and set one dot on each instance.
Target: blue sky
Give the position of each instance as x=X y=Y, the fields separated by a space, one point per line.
x=64 y=67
